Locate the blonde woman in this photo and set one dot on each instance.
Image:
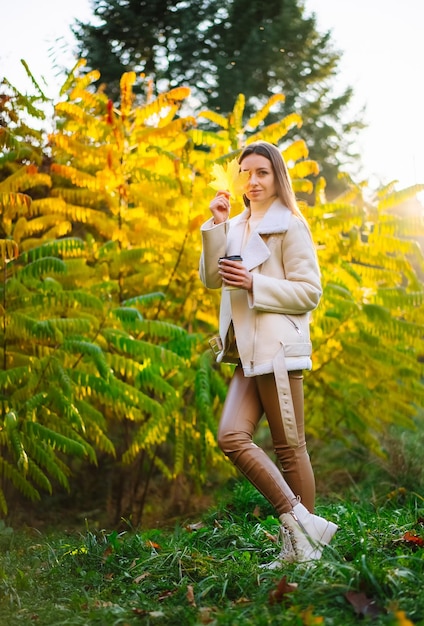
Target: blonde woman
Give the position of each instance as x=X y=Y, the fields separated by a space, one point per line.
x=266 y=301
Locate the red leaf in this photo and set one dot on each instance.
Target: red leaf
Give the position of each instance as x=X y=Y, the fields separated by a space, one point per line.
x=418 y=541
x=283 y=588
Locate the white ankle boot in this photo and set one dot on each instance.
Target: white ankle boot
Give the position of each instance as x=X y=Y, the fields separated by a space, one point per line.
x=287 y=554
x=308 y=533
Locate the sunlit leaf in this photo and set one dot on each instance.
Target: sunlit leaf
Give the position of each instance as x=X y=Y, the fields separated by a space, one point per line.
x=229 y=178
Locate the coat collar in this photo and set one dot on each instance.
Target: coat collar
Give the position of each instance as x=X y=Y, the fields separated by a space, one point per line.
x=275 y=220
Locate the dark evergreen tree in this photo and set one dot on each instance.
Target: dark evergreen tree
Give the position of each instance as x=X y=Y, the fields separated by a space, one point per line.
x=221 y=48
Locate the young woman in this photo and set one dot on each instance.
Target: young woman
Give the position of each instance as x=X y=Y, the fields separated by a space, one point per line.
x=264 y=328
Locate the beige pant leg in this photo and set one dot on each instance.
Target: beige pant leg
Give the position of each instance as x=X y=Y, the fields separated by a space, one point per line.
x=242 y=411
x=295 y=462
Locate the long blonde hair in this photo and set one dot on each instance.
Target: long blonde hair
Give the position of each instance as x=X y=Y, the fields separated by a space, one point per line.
x=285 y=191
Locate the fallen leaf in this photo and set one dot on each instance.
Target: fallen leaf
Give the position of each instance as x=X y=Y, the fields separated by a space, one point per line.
x=362 y=604
x=278 y=595
x=140 y=611
x=107 y=553
x=273 y=538
x=256 y=511
x=152 y=544
x=166 y=594
x=190 y=595
x=138 y=579
x=206 y=615
x=411 y=538
x=196 y=526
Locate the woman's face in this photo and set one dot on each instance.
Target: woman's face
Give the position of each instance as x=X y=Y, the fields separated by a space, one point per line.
x=261 y=188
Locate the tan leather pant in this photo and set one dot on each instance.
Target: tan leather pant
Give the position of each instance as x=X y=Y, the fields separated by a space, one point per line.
x=247 y=400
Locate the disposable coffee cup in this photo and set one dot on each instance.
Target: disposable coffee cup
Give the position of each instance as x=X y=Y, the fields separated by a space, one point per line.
x=230 y=257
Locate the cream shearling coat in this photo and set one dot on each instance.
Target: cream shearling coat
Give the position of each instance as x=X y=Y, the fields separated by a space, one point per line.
x=271 y=324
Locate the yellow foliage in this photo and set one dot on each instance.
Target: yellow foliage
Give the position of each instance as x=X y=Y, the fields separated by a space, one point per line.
x=236 y=117
x=263 y=112
x=76 y=177
x=274 y=132
x=139 y=182
x=295 y=151
x=216 y=118
x=8 y=249
x=304 y=168
x=72 y=111
x=302 y=186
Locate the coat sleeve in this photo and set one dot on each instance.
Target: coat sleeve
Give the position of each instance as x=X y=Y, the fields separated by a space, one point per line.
x=214 y=244
x=300 y=290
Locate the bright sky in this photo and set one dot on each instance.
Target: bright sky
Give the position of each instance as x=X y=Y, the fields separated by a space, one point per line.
x=383 y=52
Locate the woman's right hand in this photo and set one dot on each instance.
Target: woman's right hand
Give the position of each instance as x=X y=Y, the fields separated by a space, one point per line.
x=220 y=207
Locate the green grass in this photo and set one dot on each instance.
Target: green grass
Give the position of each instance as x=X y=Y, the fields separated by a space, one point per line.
x=209 y=573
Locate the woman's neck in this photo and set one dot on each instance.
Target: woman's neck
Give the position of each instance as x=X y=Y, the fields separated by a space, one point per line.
x=260 y=208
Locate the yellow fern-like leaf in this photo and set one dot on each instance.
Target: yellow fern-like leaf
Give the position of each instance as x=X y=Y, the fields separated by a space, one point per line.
x=261 y=115
x=302 y=186
x=73 y=111
x=160 y=107
x=127 y=95
x=217 y=119
x=78 y=178
x=229 y=178
x=238 y=109
x=296 y=151
x=84 y=80
x=170 y=131
x=274 y=132
x=304 y=168
x=396 y=198
x=206 y=138
x=8 y=249
x=13 y=203
x=24 y=178
x=90 y=100
x=71 y=78
x=179 y=93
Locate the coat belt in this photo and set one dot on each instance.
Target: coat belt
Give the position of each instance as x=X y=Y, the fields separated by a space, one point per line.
x=285 y=399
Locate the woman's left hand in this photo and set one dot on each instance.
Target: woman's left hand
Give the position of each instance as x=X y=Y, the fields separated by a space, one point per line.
x=234 y=274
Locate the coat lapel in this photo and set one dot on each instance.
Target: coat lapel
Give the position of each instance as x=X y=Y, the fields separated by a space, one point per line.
x=276 y=220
